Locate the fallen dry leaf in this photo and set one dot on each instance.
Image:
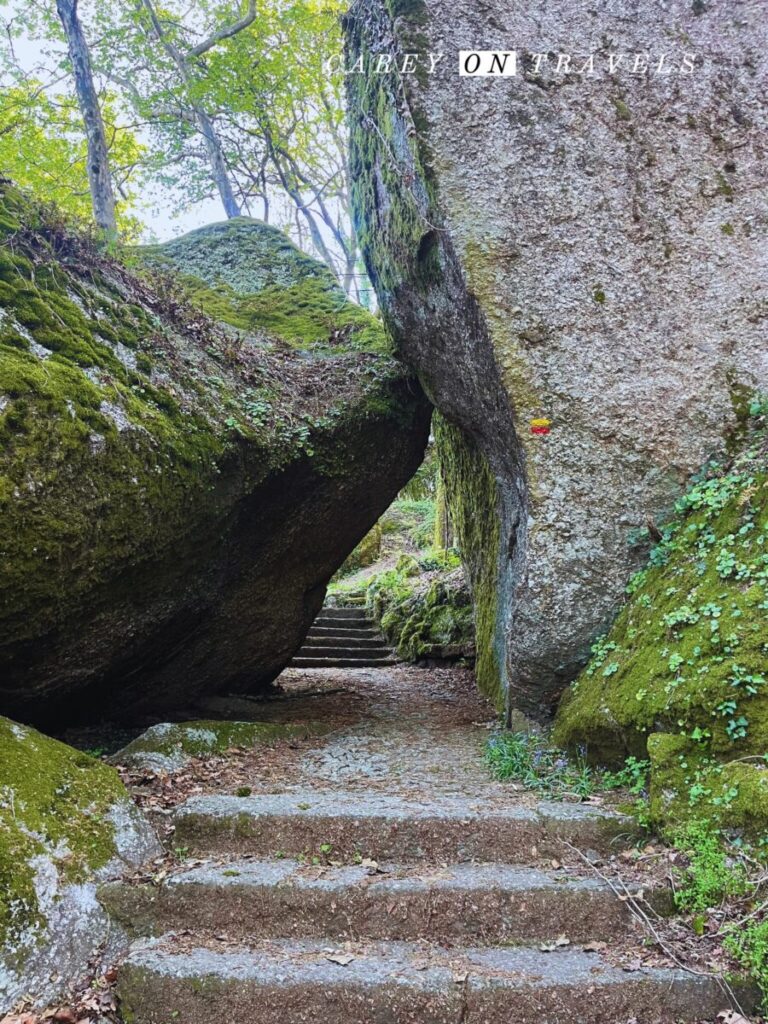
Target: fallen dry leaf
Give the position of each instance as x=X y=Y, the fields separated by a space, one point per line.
x=595 y=947
x=340 y=958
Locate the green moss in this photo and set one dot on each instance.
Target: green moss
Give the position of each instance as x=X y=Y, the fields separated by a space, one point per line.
x=206 y=737
x=250 y=275
x=398 y=237
x=127 y=418
x=473 y=500
x=365 y=554
x=683 y=670
x=423 y=604
x=54 y=801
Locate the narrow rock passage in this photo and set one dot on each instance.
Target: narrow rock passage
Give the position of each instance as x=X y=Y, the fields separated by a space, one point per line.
x=377 y=875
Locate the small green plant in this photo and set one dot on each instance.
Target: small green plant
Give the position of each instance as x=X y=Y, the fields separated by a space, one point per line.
x=749 y=944
x=525 y=758
x=711 y=876
x=632 y=777
x=243 y=791
x=181 y=852
x=97 y=752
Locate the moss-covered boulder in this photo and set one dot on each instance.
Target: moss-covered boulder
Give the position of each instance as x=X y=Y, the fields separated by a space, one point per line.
x=66 y=823
x=253 y=277
x=175 y=491
x=424 y=608
x=169 y=746
x=577 y=277
x=682 y=676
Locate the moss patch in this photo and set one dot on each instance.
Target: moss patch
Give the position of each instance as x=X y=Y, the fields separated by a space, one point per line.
x=683 y=670
x=207 y=737
x=472 y=498
x=423 y=606
x=251 y=276
x=54 y=803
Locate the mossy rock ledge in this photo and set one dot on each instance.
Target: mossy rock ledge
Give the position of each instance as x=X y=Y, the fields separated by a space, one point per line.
x=176 y=490
x=551 y=258
x=682 y=676
x=66 y=825
x=170 y=746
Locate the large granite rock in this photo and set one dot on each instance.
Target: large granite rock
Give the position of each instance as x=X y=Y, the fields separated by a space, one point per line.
x=175 y=492
x=66 y=825
x=574 y=263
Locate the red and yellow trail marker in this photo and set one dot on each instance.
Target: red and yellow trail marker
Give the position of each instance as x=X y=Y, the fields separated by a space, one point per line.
x=541 y=425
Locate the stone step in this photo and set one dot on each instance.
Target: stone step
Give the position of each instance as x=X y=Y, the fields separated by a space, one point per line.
x=343 y=613
x=347 y=662
x=387 y=827
x=315 y=983
x=367 y=643
x=351 y=651
x=365 y=633
x=350 y=624
x=467 y=904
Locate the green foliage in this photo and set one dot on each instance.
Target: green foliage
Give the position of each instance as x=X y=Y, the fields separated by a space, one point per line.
x=528 y=759
x=423 y=604
x=632 y=776
x=365 y=554
x=412 y=519
x=710 y=876
x=681 y=677
x=43 y=148
x=749 y=944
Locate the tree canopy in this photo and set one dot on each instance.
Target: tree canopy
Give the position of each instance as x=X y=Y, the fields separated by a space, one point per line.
x=227 y=99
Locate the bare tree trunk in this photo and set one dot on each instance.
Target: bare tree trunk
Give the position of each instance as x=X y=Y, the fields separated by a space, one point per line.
x=99 y=180
x=218 y=164
x=216 y=160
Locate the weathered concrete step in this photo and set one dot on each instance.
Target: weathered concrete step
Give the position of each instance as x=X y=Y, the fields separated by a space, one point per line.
x=340 y=631
x=468 y=903
x=327 y=651
x=359 y=616
x=355 y=642
x=346 y=662
x=298 y=983
x=342 y=613
x=386 y=827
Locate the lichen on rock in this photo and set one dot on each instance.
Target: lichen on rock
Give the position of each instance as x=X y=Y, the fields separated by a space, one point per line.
x=66 y=822
x=682 y=676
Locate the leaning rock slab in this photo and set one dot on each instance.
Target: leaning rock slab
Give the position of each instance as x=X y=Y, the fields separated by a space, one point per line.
x=575 y=265
x=176 y=491
x=66 y=824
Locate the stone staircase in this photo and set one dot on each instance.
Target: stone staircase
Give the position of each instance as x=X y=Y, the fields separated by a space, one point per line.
x=343 y=637
x=321 y=906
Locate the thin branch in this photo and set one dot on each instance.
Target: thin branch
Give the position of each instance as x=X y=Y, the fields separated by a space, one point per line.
x=224 y=33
